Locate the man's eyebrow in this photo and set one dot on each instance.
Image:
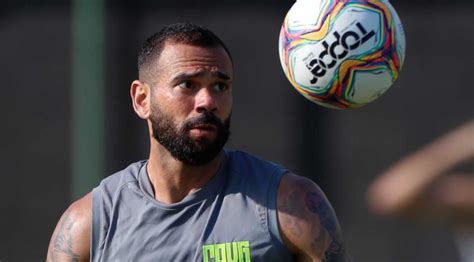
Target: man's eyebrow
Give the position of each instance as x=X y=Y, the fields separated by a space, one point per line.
x=218 y=74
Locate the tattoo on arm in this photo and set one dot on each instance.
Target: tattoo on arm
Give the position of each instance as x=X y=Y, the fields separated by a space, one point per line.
x=62 y=243
x=318 y=205
x=308 y=222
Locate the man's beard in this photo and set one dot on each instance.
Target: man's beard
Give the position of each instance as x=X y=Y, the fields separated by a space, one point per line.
x=177 y=141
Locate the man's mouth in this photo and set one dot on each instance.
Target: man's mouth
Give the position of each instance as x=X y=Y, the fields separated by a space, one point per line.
x=204 y=130
x=205 y=127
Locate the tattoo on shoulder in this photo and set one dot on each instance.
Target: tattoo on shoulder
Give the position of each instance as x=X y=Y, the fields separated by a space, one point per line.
x=311 y=205
x=62 y=245
x=318 y=205
x=334 y=253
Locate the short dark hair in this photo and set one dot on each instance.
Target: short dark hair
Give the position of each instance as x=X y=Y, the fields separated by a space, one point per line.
x=183 y=33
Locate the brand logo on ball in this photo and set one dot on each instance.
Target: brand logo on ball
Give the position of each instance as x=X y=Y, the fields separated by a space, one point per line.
x=349 y=40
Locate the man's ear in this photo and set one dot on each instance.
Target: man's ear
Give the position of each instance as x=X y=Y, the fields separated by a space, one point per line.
x=141 y=97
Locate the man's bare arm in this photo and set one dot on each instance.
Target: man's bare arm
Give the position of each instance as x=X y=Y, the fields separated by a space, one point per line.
x=418 y=184
x=308 y=224
x=71 y=238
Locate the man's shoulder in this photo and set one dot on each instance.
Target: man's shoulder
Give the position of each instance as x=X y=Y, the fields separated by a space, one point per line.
x=128 y=174
x=241 y=161
x=308 y=223
x=71 y=238
x=121 y=178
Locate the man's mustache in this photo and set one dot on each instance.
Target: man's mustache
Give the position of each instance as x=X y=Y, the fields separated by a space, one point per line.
x=204 y=118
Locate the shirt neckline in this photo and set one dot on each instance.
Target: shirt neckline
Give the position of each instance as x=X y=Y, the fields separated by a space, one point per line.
x=209 y=189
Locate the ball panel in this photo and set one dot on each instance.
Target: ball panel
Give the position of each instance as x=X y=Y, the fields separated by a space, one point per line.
x=307 y=15
x=365 y=88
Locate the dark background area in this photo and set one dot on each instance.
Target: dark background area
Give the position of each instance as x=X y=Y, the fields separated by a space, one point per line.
x=343 y=151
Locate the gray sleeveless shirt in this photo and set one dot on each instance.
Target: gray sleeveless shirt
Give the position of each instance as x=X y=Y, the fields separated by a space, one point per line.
x=232 y=218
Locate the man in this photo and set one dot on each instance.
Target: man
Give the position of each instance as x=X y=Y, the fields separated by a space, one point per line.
x=192 y=200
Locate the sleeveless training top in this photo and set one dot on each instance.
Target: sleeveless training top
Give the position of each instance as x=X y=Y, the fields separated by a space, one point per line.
x=232 y=218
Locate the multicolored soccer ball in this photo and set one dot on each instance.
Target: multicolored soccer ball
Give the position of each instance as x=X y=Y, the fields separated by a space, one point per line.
x=342 y=53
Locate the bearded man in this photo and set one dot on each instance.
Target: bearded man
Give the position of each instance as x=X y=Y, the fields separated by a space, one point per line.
x=193 y=200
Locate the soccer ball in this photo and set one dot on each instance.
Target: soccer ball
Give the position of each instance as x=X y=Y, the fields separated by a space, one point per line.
x=342 y=53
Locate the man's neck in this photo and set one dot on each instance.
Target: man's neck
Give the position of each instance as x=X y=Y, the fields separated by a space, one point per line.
x=172 y=180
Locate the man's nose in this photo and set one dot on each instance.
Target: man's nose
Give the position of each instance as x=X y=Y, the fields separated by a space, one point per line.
x=205 y=100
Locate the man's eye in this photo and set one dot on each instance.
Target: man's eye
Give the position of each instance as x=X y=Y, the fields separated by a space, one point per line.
x=220 y=87
x=186 y=84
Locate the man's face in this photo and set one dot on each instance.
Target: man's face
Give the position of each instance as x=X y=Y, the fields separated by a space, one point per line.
x=191 y=101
